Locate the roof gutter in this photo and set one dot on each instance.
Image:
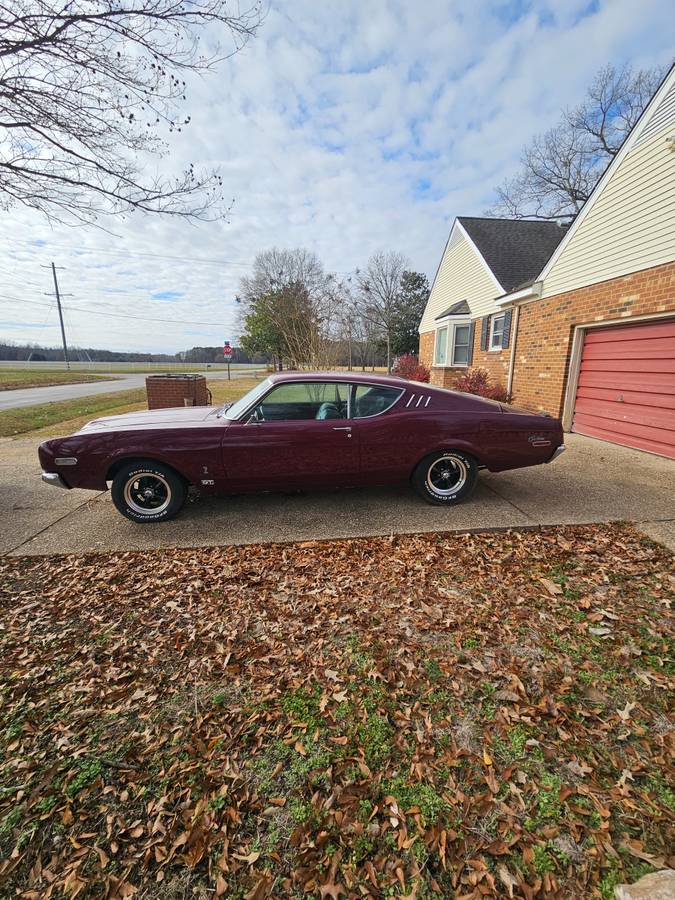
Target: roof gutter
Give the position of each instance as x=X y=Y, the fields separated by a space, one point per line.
x=525 y=295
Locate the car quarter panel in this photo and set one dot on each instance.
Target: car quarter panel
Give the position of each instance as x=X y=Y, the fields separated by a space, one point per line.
x=424 y=421
x=392 y=444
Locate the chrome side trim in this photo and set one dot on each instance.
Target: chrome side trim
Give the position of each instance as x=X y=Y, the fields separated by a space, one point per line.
x=55 y=480
x=66 y=460
x=410 y=400
x=557 y=452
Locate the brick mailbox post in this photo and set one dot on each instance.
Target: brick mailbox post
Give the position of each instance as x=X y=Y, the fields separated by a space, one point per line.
x=165 y=391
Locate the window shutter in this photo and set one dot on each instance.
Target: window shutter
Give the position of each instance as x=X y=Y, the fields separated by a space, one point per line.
x=472 y=331
x=507 y=328
x=484 y=332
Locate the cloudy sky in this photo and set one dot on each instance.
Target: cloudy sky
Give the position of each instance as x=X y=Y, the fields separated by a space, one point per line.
x=343 y=127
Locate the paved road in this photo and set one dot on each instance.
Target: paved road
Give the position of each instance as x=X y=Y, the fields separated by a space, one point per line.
x=592 y=482
x=37 y=395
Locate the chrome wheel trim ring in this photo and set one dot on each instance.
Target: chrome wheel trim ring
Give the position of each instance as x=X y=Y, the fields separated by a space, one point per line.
x=450 y=469
x=132 y=489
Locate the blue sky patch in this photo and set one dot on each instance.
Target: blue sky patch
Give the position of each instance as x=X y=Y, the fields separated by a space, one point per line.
x=168 y=295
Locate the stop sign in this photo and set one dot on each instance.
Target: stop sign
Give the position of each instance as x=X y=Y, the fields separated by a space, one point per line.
x=227 y=350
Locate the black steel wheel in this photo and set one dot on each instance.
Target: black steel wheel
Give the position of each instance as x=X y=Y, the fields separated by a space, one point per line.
x=146 y=491
x=448 y=476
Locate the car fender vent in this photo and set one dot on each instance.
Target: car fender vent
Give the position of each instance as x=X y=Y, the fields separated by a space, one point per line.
x=417 y=401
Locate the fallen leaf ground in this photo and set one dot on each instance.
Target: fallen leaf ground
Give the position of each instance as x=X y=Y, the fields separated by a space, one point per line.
x=455 y=716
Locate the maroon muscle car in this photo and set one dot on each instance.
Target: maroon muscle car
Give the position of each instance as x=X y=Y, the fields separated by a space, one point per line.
x=302 y=430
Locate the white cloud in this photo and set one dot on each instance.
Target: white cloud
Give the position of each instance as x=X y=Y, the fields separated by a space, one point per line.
x=344 y=128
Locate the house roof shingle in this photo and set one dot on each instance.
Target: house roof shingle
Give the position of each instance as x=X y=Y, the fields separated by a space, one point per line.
x=516 y=250
x=461 y=308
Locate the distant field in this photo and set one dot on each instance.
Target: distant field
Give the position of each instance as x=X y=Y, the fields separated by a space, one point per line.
x=14 y=379
x=66 y=416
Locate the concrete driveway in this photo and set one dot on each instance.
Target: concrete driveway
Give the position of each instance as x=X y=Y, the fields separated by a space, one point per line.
x=591 y=482
x=13 y=399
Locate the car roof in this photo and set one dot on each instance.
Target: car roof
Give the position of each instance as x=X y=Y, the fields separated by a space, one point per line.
x=450 y=398
x=360 y=377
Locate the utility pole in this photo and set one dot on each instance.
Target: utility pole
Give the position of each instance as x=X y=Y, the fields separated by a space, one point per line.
x=58 y=304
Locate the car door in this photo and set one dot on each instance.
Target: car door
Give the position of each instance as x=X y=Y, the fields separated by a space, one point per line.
x=387 y=437
x=297 y=436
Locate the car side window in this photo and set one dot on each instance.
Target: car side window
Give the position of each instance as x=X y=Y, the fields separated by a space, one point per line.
x=373 y=399
x=303 y=400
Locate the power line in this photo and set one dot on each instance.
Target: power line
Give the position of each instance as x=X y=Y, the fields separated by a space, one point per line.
x=168 y=257
x=116 y=315
x=187 y=259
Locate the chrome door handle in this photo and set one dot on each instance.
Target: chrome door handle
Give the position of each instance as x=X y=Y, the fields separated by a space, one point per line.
x=342 y=428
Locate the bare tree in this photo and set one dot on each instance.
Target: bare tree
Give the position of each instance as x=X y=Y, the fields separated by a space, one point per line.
x=379 y=288
x=292 y=306
x=366 y=341
x=560 y=168
x=276 y=268
x=614 y=102
x=87 y=87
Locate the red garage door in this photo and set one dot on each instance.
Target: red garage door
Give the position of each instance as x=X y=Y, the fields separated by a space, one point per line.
x=626 y=390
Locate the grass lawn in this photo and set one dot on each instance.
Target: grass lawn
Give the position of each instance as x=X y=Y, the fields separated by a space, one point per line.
x=13 y=379
x=454 y=716
x=67 y=416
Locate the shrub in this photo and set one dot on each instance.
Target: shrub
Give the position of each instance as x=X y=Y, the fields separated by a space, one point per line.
x=477 y=381
x=408 y=366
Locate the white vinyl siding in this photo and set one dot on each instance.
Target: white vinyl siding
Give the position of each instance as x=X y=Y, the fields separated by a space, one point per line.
x=663 y=117
x=631 y=225
x=461 y=276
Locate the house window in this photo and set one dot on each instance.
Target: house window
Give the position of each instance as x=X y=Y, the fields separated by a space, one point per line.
x=497 y=332
x=461 y=345
x=441 y=352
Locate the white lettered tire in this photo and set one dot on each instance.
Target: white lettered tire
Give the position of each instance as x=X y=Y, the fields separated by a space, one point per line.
x=445 y=477
x=146 y=491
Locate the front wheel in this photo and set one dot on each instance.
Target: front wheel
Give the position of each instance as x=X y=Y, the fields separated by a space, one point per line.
x=148 y=492
x=445 y=477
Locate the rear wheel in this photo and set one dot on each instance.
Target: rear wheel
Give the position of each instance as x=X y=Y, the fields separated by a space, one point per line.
x=445 y=477
x=148 y=492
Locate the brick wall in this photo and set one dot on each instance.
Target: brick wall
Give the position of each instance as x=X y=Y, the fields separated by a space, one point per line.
x=446 y=377
x=165 y=391
x=427 y=348
x=545 y=329
x=495 y=361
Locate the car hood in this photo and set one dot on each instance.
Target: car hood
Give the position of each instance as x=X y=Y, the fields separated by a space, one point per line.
x=155 y=418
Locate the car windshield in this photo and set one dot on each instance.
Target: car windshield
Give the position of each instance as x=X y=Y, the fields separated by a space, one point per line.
x=235 y=410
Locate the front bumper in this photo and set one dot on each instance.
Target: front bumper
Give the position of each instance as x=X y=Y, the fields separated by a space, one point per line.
x=54 y=479
x=557 y=452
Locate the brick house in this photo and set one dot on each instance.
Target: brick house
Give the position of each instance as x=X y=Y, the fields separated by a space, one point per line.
x=591 y=334
x=462 y=325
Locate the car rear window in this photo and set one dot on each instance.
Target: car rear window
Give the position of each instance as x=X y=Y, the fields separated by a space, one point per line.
x=373 y=399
